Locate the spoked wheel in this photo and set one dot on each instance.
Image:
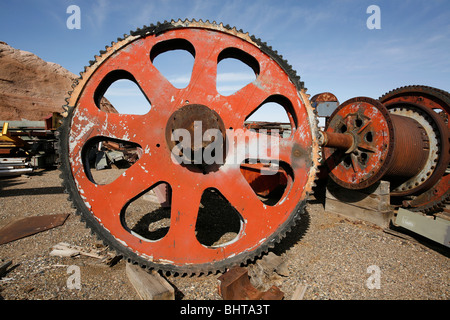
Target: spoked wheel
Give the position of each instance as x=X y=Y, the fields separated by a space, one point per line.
x=103 y=206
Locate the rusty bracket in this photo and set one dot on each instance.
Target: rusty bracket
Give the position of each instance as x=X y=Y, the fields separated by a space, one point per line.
x=235 y=285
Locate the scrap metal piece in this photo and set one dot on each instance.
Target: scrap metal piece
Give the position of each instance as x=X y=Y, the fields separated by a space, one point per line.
x=28 y=226
x=235 y=285
x=15 y=166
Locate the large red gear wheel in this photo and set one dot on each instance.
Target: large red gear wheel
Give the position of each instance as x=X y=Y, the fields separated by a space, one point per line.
x=101 y=206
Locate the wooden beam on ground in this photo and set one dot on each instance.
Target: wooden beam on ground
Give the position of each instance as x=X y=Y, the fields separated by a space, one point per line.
x=149 y=285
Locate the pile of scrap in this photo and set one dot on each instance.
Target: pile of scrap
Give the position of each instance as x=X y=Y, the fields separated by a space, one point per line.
x=28 y=145
x=107 y=154
x=280 y=128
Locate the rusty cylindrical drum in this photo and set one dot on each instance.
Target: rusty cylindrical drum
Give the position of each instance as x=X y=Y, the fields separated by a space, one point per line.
x=397 y=145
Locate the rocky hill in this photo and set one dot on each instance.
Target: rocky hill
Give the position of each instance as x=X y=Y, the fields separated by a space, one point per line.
x=31 y=88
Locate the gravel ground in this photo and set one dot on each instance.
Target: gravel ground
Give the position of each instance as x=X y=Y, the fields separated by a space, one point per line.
x=329 y=254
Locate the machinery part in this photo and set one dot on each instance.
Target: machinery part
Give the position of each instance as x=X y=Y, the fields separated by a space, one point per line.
x=401 y=146
x=432 y=98
x=337 y=140
x=10 y=143
x=15 y=166
x=324 y=103
x=235 y=285
x=415 y=156
x=102 y=206
x=432 y=200
x=370 y=127
x=436 y=155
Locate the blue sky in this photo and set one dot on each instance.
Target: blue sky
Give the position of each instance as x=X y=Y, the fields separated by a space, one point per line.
x=326 y=42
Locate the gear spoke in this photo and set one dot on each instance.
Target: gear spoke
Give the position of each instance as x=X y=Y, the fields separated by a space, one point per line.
x=184 y=211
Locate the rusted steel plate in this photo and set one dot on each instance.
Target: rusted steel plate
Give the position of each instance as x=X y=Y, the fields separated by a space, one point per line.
x=28 y=226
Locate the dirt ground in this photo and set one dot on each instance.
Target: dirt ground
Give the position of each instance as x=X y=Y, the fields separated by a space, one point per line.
x=333 y=257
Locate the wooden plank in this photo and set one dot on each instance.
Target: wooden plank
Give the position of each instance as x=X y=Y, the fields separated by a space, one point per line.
x=149 y=286
x=436 y=229
x=377 y=200
x=299 y=292
x=379 y=218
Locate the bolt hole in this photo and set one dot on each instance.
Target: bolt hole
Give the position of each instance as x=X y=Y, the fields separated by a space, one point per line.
x=364 y=158
x=343 y=129
x=358 y=123
x=347 y=162
x=158 y=145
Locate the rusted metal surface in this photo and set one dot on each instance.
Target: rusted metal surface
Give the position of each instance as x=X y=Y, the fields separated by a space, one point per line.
x=264 y=183
x=325 y=103
x=235 y=285
x=409 y=141
x=434 y=198
x=411 y=148
x=368 y=122
x=432 y=98
x=324 y=97
x=102 y=205
x=342 y=141
x=29 y=226
x=438 y=151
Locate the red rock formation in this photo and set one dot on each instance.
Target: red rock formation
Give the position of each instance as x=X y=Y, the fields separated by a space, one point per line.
x=31 y=88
